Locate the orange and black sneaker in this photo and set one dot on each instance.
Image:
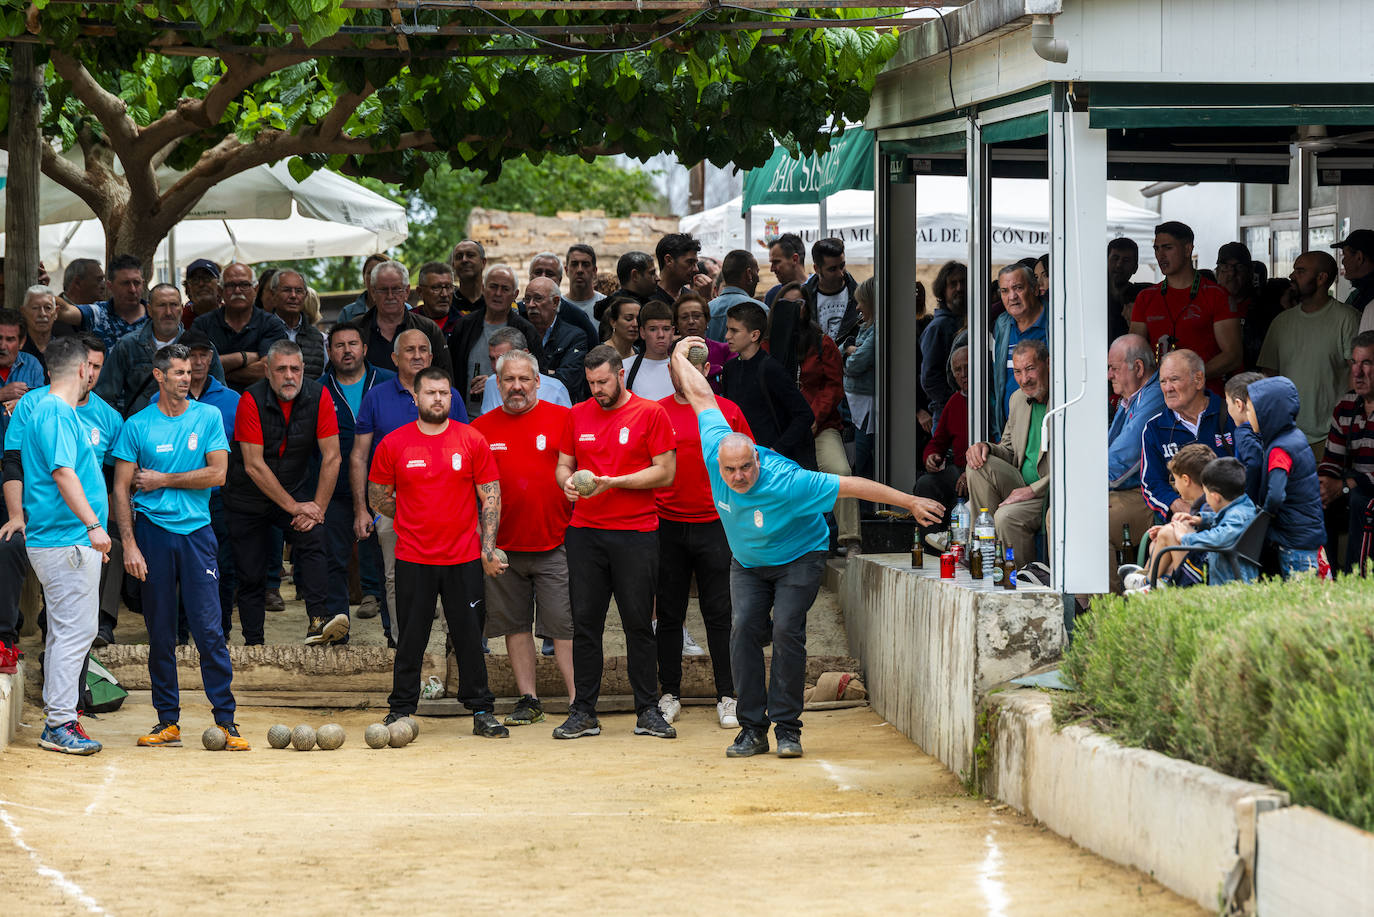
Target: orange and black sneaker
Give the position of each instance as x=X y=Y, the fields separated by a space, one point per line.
x=232 y=740
x=163 y=735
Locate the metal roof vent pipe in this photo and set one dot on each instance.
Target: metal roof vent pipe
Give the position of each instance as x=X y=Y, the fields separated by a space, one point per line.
x=1046 y=46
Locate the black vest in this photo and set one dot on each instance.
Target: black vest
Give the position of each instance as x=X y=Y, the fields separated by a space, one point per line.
x=292 y=466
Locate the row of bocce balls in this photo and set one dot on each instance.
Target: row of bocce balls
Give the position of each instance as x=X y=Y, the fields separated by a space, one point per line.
x=328 y=737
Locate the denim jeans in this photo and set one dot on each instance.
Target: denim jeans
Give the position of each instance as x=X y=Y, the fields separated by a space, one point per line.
x=1293 y=562
x=787 y=591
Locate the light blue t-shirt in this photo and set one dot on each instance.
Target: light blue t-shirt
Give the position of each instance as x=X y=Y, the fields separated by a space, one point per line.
x=781 y=517
x=353 y=394
x=152 y=440
x=101 y=421
x=55 y=437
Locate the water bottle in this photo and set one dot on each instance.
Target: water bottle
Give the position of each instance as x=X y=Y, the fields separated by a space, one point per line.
x=960 y=518
x=984 y=535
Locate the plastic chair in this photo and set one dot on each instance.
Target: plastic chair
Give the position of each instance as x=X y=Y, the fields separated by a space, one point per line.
x=1246 y=547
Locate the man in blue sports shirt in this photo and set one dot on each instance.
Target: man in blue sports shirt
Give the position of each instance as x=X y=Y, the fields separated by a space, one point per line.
x=772 y=511
x=64 y=511
x=172 y=453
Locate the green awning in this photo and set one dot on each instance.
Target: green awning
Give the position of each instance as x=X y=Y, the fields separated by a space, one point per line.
x=1036 y=124
x=1152 y=105
x=809 y=180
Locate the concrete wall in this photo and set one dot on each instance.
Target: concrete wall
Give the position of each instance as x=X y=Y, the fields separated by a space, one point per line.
x=1181 y=823
x=1313 y=864
x=931 y=648
x=11 y=705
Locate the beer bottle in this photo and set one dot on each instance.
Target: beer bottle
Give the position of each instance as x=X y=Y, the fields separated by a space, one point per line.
x=975 y=565
x=999 y=568
x=918 y=558
x=1126 y=554
x=1009 y=580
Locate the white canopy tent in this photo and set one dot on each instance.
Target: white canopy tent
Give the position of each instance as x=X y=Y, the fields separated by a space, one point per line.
x=262 y=214
x=1020 y=222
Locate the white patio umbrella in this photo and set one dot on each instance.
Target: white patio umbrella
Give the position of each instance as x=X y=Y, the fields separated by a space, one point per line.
x=258 y=215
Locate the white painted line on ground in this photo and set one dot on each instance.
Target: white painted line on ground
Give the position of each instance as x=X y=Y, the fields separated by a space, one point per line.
x=101 y=790
x=989 y=878
x=835 y=774
x=62 y=882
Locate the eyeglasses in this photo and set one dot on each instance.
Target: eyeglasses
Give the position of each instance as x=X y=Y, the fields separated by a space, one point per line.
x=439 y=287
x=391 y=291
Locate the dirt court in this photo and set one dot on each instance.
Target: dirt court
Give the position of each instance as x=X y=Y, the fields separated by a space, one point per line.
x=616 y=824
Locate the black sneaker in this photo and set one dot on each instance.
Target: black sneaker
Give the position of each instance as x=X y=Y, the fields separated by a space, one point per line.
x=528 y=711
x=789 y=746
x=577 y=725
x=485 y=725
x=749 y=742
x=392 y=717
x=652 y=723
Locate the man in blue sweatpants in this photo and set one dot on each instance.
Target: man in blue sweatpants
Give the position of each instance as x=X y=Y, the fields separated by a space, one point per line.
x=172 y=453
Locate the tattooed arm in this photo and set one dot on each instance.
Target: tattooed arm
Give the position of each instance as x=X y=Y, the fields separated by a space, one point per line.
x=382 y=498
x=489 y=512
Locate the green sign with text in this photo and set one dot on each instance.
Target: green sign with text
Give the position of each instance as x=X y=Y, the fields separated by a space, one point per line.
x=810 y=179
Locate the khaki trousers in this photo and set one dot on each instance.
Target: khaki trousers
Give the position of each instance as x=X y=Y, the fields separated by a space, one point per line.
x=1017 y=523
x=831 y=459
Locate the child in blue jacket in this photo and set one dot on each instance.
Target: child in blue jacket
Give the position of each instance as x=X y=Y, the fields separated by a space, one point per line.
x=1229 y=511
x=1289 y=491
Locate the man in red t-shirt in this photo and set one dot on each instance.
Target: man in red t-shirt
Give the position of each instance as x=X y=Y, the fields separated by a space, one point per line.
x=282 y=421
x=437 y=482
x=627 y=443
x=691 y=540
x=533 y=592
x=1190 y=311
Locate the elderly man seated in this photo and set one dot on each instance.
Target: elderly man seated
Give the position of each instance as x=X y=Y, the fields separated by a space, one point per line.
x=1012 y=478
x=1192 y=414
x=1134 y=379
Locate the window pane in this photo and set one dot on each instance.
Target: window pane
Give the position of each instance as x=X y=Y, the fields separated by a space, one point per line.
x=1287 y=247
x=1257 y=240
x=1255 y=199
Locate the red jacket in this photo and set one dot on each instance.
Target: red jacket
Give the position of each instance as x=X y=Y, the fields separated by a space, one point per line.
x=951 y=431
x=821 y=380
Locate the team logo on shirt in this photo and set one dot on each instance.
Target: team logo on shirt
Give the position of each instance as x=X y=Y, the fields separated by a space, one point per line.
x=540 y=442
x=498 y=447
x=191 y=442
x=758 y=519
x=587 y=438
x=164 y=447
x=457 y=462
x=417 y=463
x=624 y=435
x=95 y=436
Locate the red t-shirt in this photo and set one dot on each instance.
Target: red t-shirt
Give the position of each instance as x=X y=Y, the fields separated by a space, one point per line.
x=1185 y=318
x=617 y=442
x=688 y=498
x=534 y=511
x=248 y=425
x=436 y=480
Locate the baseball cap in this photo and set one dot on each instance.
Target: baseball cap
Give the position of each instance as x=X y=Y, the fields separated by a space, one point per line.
x=195 y=340
x=203 y=264
x=1361 y=240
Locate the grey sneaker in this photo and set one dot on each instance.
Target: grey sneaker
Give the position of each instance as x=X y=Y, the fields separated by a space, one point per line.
x=577 y=725
x=670 y=707
x=789 y=746
x=652 y=723
x=485 y=725
x=749 y=742
x=369 y=608
x=689 y=646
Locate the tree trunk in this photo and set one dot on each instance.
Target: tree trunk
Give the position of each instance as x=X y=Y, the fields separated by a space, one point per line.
x=21 y=185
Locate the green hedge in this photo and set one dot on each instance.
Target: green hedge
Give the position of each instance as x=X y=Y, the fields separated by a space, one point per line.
x=1271 y=682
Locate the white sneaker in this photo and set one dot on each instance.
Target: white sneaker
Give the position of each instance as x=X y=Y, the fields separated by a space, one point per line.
x=725 y=711
x=689 y=646
x=670 y=707
x=1135 y=580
